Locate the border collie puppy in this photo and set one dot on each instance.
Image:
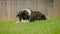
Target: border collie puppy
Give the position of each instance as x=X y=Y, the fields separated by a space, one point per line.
x=29 y=15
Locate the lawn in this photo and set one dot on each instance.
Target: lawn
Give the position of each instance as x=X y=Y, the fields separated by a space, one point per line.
x=49 y=26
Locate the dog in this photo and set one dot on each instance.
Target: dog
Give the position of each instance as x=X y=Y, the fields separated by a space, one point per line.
x=27 y=15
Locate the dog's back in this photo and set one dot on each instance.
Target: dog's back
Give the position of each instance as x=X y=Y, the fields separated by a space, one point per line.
x=37 y=16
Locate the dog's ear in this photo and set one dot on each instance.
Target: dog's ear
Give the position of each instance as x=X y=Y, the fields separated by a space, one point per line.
x=17 y=15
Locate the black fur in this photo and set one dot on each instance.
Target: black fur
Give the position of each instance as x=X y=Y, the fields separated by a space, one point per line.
x=35 y=15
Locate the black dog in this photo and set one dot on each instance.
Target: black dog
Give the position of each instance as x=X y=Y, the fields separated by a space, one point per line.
x=30 y=15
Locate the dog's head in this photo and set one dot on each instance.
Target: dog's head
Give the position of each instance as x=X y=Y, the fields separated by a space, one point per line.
x=24 y=14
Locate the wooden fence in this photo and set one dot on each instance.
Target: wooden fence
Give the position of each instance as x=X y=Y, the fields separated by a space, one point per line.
x=9 y=9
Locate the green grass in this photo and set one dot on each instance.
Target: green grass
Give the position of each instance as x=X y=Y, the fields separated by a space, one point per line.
x=49 y=26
